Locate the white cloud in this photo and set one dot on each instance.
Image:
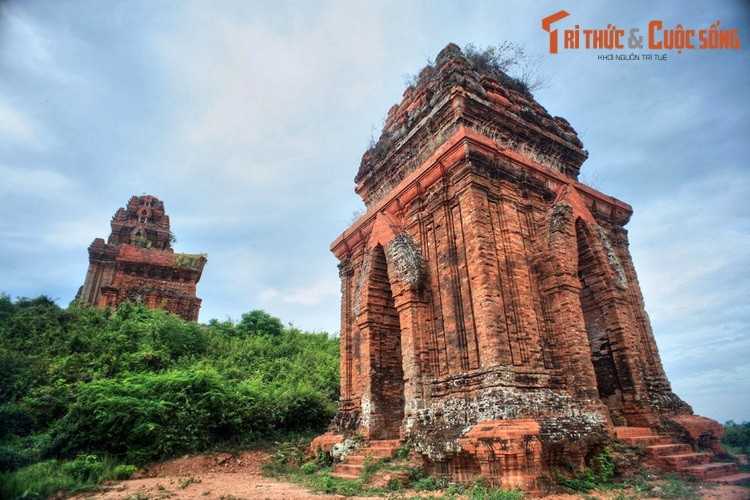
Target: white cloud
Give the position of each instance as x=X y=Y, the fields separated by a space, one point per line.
x=30 y=183
x=691 y=244
x=256 y=102
x=269 y=294
x=324 y=287
x=71 y=233
x=17 y=126
x=35 y=47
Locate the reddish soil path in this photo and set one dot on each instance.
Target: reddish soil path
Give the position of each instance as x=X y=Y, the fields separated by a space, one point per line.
x=217 y=476
x=232 y=477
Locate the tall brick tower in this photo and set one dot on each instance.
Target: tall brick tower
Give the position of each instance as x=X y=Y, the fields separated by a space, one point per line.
x=490 y=310
x=138 y=263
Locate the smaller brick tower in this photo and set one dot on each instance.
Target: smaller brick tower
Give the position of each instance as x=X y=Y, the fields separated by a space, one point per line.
x=137 y=263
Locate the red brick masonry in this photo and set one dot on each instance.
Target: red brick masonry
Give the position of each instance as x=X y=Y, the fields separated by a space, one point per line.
x=138 y=263
x=490 y=312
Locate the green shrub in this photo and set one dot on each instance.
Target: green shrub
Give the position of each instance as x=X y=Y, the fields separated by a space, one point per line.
x=309 y=468
x=403 y=450
x=122 y=472
x=599 y=474
x=12 y=459
x=291 y=452
x=85 y=469
x=737 y=436
x=483 y=493
x=427 y=484
x=140 y=385
x=394 y=484
x=456 y=489
x=191 y=260
x=335 y=486
x=323 y=459
x=150 y=416
x=41 y=479
x=603 y=466
x=259 y=323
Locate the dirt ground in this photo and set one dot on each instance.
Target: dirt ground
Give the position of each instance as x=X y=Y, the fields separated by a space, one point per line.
x=239 y=476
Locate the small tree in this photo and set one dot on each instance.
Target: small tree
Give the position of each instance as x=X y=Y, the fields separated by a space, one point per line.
x=260 y=322
x=511 y=63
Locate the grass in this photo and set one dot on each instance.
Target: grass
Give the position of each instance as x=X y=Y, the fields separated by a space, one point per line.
x=46 y=478
x=188 y=481
x=674 y=487
x=600 y=476
x=483 y=493
x=41 y=479
x=315 y=475
x=642 y=485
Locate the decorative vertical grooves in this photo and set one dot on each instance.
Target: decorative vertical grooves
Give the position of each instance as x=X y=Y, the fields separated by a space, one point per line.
x=442 y=340
x=462 y=272
x=456 y=292
x=446 y=289
x=541 y=300
x=346 y=327
x=538 y=332
x=438 y=365
x=518 y=341
x=503 y=280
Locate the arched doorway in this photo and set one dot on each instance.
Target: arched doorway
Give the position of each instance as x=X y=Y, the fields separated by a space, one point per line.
x=386 y=367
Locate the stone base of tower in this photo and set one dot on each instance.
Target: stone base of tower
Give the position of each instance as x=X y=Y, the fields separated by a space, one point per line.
x=525 y=453
x=507 y=453
x=510 y=437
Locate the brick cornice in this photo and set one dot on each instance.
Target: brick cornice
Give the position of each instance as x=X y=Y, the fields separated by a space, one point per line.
x=453 y=152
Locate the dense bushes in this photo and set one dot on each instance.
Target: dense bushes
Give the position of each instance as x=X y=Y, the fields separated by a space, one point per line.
x=737 y=437
x=139 y=385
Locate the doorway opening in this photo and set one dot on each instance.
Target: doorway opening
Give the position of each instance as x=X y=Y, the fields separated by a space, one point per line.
x=387 y=377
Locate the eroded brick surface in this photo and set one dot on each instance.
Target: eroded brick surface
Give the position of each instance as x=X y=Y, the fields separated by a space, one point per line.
x=137 y=263
x=486 y=288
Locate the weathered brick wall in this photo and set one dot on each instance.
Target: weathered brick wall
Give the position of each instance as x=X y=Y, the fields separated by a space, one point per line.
x=488 y=295
x=138 y=263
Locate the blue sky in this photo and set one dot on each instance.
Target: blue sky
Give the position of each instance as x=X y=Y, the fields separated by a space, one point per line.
x=249 y=120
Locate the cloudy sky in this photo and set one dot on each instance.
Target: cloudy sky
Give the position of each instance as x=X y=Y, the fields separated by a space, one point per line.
x=249 y=120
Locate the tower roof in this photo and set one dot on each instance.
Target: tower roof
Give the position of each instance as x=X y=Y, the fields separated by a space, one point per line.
x=143 y=222
x=462 y=91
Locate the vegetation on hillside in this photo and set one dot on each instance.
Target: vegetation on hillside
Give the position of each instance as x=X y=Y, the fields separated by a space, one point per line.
x=87 y=394
x=736 y=437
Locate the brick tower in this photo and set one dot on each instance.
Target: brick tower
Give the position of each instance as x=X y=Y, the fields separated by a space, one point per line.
x=490 y=312
x=138 y=263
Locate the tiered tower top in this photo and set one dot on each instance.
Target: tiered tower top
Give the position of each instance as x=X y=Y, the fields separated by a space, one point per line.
x=142 y=223
x=457 y=92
